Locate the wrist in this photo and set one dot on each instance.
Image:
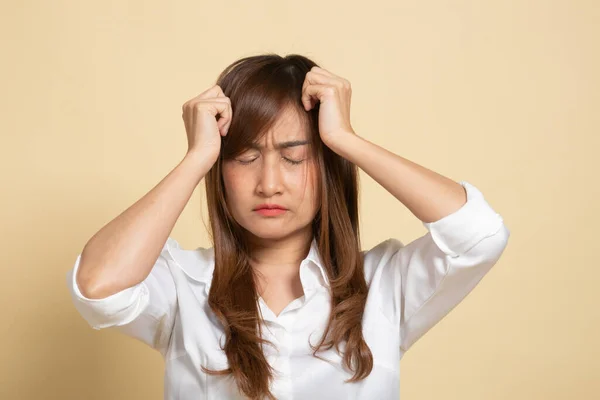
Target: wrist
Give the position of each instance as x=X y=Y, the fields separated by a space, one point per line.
x=198 y=163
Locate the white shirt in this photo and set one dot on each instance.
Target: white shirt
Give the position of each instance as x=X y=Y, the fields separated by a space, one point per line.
x=411 y=288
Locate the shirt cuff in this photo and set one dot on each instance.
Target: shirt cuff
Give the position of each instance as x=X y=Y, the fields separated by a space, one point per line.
x=457 y=233
x=117 y=309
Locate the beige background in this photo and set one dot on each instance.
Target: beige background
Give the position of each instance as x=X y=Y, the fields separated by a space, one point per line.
x=502 y=94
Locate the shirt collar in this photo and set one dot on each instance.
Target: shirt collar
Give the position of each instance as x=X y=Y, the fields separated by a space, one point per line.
x=314 y=260
x=199 y=264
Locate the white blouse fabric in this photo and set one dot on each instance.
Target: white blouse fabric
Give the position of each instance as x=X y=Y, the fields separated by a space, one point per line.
x=411 y=288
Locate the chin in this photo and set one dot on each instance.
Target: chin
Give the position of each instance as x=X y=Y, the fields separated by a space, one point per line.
x=269 y=233
x=272 y=228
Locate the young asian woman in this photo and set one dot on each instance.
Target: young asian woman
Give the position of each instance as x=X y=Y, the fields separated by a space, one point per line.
x=285 y=304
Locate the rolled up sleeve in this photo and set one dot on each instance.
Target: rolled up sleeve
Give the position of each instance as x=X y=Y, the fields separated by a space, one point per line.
x=459 y=232
x=424 y=280
x=145 y=311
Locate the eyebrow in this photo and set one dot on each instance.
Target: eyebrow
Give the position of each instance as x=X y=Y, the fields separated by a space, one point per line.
x=282 y=145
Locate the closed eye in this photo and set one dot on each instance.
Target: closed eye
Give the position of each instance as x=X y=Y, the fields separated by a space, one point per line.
x=293 y=162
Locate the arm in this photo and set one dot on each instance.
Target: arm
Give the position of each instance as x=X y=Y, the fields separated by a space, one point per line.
x=427 y=194
x=123 y=252
x=418 y=284
x=145 y=311
x=414 y=285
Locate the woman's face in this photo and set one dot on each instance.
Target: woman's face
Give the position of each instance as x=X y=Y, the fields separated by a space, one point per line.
x=285 y=176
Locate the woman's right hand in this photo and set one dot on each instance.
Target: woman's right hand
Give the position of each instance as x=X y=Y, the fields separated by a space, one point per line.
x=203 y=130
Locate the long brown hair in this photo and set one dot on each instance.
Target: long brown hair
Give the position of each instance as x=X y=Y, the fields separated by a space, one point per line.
x=259 y=88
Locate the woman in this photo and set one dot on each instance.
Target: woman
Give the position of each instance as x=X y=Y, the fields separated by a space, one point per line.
x=285 y=304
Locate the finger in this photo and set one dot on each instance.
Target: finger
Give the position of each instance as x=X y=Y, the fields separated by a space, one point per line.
x=311 y=78
x=331 y=78
x=224 y=113
x=318 y=78
x=225 y=122
x=217 y=106
x=322 y=71
x=335 y=80
x=213 y=91
x=226 y=117
x=229 y=119
x=314 y=78
x=314 y=93
x=219 y=91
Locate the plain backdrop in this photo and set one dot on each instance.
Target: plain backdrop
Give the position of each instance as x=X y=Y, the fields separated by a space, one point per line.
x=503 y=94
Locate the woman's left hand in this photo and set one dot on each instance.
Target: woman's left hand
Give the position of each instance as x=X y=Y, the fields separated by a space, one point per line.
x=333 y=93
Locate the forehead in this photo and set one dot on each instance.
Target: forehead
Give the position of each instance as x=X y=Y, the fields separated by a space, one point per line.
x=289 y=130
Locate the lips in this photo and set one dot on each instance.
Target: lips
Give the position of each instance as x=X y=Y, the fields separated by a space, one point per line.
x=270 y=207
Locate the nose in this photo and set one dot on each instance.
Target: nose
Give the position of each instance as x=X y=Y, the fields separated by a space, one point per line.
x=269 y=179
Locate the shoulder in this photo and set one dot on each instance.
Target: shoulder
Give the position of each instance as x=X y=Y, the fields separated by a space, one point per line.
x=197 y=263
x=380 y=255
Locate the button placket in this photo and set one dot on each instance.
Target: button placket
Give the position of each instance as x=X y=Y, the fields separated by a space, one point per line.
x=284 y=360
x=282 y=384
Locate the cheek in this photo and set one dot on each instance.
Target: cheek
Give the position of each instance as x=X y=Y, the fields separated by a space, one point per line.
x=306 y=183
x=233 y=183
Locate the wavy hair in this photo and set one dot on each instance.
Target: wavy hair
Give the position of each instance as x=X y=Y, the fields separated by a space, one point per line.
x=259 y=88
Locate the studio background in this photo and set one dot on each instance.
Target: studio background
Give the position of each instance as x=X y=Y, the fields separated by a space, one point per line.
x=503 y=94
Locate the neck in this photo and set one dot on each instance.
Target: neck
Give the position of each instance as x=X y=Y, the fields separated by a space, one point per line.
x=280 y=256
